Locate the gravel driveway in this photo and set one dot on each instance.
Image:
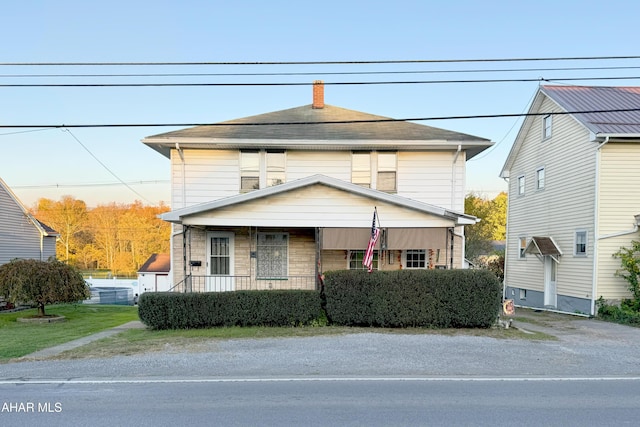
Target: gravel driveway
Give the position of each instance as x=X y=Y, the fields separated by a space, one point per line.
x=584 y=348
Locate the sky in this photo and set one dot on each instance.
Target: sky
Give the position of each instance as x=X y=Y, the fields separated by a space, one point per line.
x=101 y=165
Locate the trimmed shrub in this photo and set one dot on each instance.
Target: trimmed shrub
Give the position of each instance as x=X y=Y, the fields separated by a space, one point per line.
x=424 y=298
x=168 y=310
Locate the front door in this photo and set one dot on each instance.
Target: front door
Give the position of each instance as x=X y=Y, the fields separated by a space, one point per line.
x=220 y=262
x=550 y=272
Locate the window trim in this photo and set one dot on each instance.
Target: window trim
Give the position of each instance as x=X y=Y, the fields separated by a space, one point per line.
x=577 y=232
x=424 y=261
x=286 y=260
x=544 y=175
x=521 y=247
x=368 y=170
x=249 y=173
x=387 y=170
x=547 y=126
x=358 y=262
x=521 y=185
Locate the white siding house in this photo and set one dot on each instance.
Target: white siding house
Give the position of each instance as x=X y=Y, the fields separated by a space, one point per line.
x=573 y=179
x=274 y=200
x=21 y=235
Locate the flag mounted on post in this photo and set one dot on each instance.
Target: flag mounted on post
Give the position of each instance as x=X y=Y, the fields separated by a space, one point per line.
x=375 y=233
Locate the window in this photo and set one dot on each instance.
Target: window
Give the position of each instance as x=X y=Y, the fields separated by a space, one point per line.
x=387 y=167
x=546 y=127
x=272 y=256
x=521 y=185
x=415 y=258
x=356 y=258
x=580 y=246
x=522 y=247
x=540 y=179
x=361 y=169
x=275 y=168
x=249 y=170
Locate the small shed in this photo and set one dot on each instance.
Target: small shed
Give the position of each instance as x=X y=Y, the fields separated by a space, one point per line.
x=153 y=276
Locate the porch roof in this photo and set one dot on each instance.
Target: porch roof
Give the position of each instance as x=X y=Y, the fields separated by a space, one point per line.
x=543 y=246
x=354 y=192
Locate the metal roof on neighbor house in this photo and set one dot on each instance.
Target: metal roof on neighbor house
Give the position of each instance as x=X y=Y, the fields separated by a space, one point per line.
x=589 y=98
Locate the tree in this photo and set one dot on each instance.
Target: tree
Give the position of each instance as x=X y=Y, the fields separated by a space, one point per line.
x=492 y=225
x=630 y=271
x=68 y=217
x=41 y=282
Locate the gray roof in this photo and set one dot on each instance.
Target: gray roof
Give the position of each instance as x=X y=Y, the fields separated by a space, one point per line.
x=588 y=98
x=317 y=128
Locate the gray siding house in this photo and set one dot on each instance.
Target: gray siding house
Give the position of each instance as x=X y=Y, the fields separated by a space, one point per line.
x=574 y=175
x=22 y=235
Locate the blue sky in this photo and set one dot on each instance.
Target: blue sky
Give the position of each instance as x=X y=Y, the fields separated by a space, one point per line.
x=91 y=163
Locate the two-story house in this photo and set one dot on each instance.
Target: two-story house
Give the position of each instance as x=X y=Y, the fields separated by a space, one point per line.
x=274 y=200
x=22 y=235
x=574 y=174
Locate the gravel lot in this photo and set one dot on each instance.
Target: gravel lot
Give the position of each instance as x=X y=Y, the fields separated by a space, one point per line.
x=584 y=348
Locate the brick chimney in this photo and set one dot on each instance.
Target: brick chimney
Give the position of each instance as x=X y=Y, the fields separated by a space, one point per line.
x=318 y=94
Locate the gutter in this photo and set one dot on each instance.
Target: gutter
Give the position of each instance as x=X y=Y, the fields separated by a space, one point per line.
x=453 y=175
x=596 y=209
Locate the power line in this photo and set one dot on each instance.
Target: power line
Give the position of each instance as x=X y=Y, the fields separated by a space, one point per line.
x=406 y=82
x=331 y=73
x=97 y=184
x=336 y=122
x=390 y=61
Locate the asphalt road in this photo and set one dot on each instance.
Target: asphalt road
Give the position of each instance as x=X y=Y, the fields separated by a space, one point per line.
x=327 y=402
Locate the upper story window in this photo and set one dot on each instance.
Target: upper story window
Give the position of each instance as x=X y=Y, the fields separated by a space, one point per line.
x=580 y=246
x=387 y=171
x=261 y=169
x=361 y=169
x=546 y=126
x=540 y=179
x=521 y=185
x=275 y=168
x=249 y=170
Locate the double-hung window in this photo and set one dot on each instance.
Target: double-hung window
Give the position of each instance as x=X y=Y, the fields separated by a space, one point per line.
x=275 y=168
x=361 y=169
x=272 y=256
x=522 y=245
x=249 y=170
x=387 y=167
x=546 y=126
x=580 y=245
x=540 y=179
x=521 y=187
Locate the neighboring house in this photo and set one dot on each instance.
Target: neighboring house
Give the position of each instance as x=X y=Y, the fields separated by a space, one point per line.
x=153 y=275
x=573 y=197
x=21 y=235
x=274 y=200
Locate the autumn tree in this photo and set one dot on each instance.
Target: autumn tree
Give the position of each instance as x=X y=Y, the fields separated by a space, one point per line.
x=69 y=218
x=492 y=225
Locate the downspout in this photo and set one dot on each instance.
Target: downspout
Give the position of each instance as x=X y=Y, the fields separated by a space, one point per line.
x=596 y=209
x=506 y=245
x=184 y=204
x=453 y=176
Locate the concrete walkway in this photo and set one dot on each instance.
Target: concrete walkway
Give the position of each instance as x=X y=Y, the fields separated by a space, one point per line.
x=54 y=351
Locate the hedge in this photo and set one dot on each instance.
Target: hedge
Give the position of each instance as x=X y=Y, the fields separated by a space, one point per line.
x=413 y=298
x=168 y=310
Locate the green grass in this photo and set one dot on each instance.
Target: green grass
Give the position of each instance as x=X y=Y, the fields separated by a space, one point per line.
x=19 y=339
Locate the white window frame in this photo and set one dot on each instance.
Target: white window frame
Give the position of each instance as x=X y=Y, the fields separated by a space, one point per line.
x=390 y=168
x=248 y=171
x=361 y=168
x=521 y=183
x=275 y=165
x=540 y=178
x=522 y=245
x=359 y=256
x=580 y=232
x=262 y=247
x=547 y=124
x=424 y=261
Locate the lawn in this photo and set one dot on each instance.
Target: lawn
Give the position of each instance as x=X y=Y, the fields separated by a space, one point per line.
x=19 y=339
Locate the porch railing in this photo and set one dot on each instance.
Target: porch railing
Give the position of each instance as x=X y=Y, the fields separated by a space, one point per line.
x=194 y=283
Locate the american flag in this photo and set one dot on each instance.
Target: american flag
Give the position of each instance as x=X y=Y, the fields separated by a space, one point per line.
x=368 y=255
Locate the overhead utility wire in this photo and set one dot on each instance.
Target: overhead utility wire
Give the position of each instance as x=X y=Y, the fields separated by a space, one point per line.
x=538 y=79
x=336 y=122
x=324 y=73
x=390 y=61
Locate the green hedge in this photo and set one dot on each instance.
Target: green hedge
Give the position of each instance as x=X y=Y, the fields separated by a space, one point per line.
x=424 y=298
x=168 y=310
